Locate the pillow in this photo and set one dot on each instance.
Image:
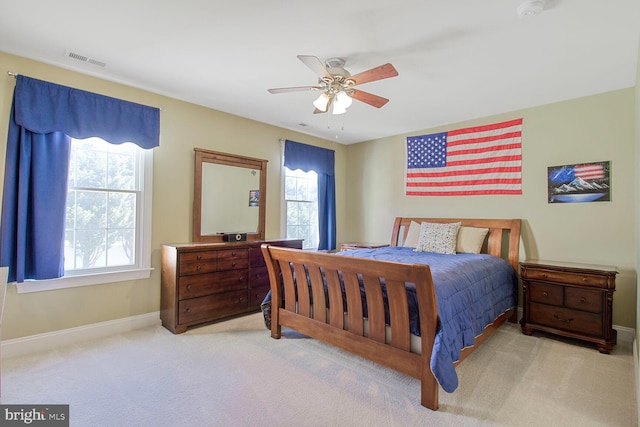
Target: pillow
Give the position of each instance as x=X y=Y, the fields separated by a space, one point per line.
x=471 y=239
x=438 y=238
x=412 y=235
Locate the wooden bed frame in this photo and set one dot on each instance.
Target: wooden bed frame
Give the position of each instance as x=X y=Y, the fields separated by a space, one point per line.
x=346 y=330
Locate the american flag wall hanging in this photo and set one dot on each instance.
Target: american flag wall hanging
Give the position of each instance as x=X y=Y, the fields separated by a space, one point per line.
x=473 y=161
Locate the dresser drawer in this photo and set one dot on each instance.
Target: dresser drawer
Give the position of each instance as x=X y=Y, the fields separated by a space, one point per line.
x=566 y=277
x=583 y=299
x=259 y=277
x=197 y=262
x=566 y=319
x=546 y=294
x=233 y=259
x=205 y=284
x=212 y=307
x=256 y=296
x=256 y=258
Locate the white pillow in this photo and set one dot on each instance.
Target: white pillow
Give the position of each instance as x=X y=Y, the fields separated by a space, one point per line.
x=471 y=239
x=412 y=235
x=438 y=238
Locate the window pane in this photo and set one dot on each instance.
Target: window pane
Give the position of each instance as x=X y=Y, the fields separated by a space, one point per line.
x=121 y=247
x=90 y=248
x=122 y=172
x=91 y=168
x=91 y=209
x=102 y=202
x=122 y=210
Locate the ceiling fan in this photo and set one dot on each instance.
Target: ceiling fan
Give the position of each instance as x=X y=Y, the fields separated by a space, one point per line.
x=338 y=85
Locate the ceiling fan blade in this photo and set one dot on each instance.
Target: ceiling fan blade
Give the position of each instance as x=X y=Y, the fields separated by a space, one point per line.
x=316 y=65
x=369 y=98
x=378 y=73
x=294 y=89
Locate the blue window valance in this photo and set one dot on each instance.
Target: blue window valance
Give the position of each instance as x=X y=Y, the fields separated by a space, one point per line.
x=43 y=107
x=308 y=157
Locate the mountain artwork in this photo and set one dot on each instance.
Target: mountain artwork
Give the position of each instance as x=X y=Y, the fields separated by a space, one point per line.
x=584 y=182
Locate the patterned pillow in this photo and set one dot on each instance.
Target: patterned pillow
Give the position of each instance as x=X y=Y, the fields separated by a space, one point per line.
x=438 y=238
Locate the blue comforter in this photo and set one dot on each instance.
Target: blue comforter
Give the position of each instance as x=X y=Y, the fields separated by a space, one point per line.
x=472 y=290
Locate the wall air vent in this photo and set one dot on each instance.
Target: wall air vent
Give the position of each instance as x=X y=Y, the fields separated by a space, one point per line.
x=82 y=58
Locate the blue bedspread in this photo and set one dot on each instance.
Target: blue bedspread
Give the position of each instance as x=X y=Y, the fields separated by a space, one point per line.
x=471 y=292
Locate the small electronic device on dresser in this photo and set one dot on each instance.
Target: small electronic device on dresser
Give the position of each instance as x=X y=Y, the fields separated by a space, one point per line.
x=569 y=299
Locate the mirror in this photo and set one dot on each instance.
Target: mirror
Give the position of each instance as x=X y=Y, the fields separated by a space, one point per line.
x=229 y=196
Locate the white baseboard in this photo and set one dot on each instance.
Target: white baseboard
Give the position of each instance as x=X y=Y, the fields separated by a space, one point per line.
x=626 y=335
x=50 y=340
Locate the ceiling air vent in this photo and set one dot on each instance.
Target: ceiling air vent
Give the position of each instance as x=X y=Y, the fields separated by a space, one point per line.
x=82 y=58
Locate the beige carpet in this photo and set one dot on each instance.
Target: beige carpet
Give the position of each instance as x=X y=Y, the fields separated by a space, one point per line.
x=233 y=374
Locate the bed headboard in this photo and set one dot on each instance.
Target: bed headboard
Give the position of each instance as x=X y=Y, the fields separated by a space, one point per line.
x=500 y=231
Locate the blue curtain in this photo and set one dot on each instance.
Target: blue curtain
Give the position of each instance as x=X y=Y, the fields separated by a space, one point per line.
x=44 y=117
x=322 y=161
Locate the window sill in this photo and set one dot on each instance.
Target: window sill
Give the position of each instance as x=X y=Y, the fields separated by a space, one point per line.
x=83 y=280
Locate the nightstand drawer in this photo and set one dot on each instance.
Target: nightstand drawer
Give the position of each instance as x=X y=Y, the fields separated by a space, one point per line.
x=565 y=277
x=546 y=294
x=583 y=299
x=566 y=319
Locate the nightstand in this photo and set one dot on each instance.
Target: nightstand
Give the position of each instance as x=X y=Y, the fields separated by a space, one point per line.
x=352 y=246
x=568 y=299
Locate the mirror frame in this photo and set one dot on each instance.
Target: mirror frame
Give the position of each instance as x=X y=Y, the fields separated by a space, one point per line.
x=207 y=156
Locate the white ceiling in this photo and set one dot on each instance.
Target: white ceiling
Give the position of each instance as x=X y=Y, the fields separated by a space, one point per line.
x=457 y=59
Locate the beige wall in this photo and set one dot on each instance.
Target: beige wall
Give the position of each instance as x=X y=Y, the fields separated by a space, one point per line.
x=183 y=127
x=595 y=128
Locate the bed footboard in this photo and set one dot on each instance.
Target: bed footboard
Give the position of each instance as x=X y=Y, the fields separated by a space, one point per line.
x=305 y=285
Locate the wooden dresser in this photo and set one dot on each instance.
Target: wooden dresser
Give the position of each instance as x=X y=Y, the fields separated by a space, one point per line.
x=572 y=300
x=203 y=282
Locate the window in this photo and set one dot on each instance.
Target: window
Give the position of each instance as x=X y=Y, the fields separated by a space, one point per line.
x=301 y=210
x=107 y=229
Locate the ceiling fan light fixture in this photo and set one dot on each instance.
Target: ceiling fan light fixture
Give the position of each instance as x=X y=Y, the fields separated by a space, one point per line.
x=343 y=99
x=338 y=109
x=322 y=102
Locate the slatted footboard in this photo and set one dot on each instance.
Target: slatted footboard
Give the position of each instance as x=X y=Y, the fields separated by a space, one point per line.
x=302 y=303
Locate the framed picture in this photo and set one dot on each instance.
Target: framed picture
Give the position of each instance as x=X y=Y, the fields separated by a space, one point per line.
x=579 y=183
x=254 y=197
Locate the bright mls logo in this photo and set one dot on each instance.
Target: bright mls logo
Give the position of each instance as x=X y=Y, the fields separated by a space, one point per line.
x=36 y=415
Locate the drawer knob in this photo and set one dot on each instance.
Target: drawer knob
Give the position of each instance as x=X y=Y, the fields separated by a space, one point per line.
x=545 y=294
x=188 y=287
x=584 y=279
x=544 y=275
x=583 y=299
x=233 y=264
x=199 y=267
x=233 y=254
x=199 y=257
x=241 y=278
x=188 y=310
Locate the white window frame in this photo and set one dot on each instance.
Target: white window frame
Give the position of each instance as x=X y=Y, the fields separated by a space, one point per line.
x=141 y=270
